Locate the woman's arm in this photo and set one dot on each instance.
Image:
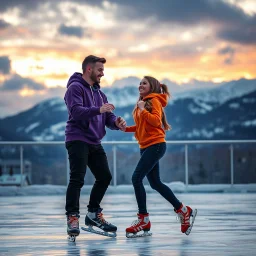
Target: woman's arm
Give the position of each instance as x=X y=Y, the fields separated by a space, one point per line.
x=155 y=117
x=130 y=128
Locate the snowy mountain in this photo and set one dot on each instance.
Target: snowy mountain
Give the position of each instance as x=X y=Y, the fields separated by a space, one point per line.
x=226 y=112
x=122 y=96
x=223 y=92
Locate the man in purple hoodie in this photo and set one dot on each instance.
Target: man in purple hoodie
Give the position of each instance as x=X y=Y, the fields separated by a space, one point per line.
x=89 y=113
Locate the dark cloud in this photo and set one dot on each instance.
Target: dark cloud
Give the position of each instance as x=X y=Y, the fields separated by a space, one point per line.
x=241 y=34
x=31 y=5
x=3 y=24
x=230 y=22
x=229 y=52
x=26 y=4
x=183 y=11
x=5 y=65
x=17 y=82
x=180 y=11
x=71 y=30
x=226 y=50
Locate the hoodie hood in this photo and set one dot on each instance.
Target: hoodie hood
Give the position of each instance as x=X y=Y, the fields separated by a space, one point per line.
x=163 y=98
x=77 y=77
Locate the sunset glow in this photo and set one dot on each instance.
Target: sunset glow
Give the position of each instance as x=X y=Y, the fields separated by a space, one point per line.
x=44 y=42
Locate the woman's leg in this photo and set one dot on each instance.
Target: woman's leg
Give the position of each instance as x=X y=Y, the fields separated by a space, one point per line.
x=155 y=182
x=149 y=157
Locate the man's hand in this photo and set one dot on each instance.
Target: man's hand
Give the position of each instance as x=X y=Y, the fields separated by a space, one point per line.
x=107 y=107
x=141 y=104
x=120 y=123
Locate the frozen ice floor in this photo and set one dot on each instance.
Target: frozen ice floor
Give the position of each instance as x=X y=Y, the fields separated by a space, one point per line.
x=225 y=225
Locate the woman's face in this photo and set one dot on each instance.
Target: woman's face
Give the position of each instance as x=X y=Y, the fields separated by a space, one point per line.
x=144 y=87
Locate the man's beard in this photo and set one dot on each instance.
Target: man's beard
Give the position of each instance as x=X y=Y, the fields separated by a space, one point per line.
x=94 y=77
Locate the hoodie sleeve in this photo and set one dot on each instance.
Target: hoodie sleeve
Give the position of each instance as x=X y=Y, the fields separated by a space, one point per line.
x=153 y=118
x=130 y=128
x=110 y=117
x=110 y=121
x=74 y=102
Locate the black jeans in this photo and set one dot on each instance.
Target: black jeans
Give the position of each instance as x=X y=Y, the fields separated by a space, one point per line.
x=82 y=155
x=149 y=166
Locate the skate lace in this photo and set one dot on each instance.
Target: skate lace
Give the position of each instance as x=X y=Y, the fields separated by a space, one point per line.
x=136 y=222
x=73 y=222
x=101 y=218
x=180 y=218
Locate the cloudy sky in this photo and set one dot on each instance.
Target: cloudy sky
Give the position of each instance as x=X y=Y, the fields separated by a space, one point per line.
x=43 y=42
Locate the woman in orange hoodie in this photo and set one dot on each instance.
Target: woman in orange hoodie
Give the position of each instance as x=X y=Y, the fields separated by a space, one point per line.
x=150 y=125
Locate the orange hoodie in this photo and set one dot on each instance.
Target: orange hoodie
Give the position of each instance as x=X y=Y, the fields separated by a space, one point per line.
x=148 y=126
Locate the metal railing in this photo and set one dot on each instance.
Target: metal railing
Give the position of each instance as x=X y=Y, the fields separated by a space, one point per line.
x=114 y=149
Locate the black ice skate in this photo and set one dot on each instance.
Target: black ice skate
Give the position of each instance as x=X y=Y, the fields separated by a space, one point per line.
x=96 y=219
x=73 y=227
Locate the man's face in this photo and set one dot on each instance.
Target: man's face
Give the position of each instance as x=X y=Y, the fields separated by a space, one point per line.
x=97 y=72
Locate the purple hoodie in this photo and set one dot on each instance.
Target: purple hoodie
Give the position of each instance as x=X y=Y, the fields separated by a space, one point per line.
x=85 y=122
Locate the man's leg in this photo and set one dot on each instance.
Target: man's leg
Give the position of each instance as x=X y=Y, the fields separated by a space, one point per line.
x=78 y=157
x=98 y=164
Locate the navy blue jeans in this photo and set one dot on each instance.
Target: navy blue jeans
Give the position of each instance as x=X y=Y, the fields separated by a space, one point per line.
x=149 y=166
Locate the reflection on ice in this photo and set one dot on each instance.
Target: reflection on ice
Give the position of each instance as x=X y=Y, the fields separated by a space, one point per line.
x=225 y=225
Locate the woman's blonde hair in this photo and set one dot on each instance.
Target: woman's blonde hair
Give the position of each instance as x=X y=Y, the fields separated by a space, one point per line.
x=156 y=87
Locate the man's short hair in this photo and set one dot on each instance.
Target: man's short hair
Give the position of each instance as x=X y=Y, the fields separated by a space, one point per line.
x=92 y=59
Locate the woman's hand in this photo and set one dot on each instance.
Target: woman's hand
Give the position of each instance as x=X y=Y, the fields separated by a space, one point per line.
x=141 y=104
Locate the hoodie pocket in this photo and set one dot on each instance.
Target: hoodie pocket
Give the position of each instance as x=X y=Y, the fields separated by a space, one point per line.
x=84 y=124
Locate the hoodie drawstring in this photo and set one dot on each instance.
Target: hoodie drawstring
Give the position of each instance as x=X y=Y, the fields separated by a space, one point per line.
x=94 y=99
x=101 y=98
x=92 y=96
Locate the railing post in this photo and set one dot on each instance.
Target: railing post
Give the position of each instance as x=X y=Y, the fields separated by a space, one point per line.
x=186 y=166
x=67 y=168
x=21 y=166
x=114 y=164
x=232 y=164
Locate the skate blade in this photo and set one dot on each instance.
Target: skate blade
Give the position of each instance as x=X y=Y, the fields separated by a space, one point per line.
x=135 y=235
x=72 y=238
x=102 y=233
x=194 y=213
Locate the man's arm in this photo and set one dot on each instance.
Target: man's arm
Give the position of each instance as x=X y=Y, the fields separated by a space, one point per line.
x=111 y=121
x=74 y=102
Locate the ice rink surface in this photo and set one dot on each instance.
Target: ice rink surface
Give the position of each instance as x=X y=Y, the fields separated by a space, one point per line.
x=225 y=225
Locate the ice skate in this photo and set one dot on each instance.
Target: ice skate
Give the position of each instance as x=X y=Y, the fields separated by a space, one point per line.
x=73 y=227
x=187 y=217
x=96 y=219
x=141 y=224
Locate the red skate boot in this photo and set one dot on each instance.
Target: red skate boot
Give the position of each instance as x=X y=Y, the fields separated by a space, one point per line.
x=184 y=214
x=141 y=224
